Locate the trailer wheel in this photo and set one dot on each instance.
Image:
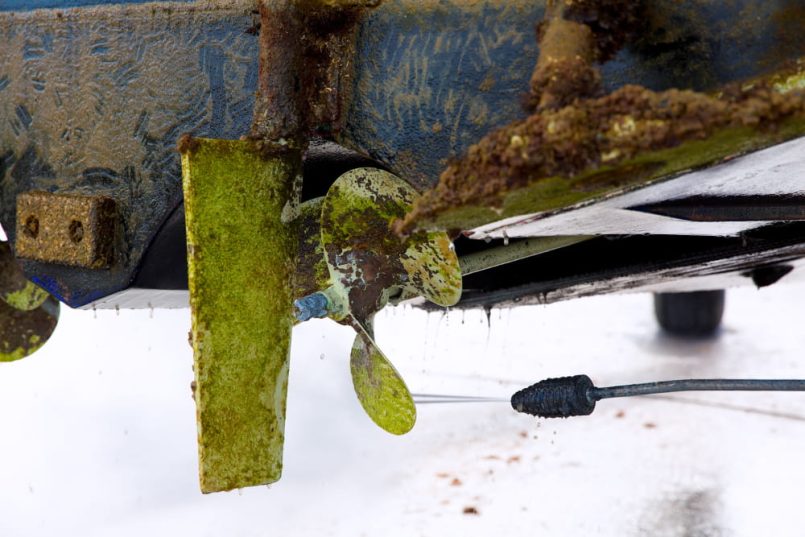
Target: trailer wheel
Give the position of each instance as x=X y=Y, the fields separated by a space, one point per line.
x=695 y=314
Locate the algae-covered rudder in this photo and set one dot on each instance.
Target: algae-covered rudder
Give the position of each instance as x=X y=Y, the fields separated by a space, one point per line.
x=240 y=262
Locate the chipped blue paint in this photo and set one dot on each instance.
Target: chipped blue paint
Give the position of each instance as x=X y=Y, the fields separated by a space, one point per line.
x=431 y=78
x=145 y=80
x=28 y=5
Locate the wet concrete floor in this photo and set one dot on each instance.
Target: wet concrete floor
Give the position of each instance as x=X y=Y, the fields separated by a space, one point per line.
x=99 y=430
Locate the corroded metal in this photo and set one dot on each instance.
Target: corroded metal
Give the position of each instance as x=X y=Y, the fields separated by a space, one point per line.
x=92 y=101
x=380 y=388
x=240 y=260
x=603 y=144
x=311 y=267
x=369 y=266
x=565 y=69
x=67 y=229
x=634 y=136
x=369 y=262
x=432 y=78
x=427 y=79
x=306 y=67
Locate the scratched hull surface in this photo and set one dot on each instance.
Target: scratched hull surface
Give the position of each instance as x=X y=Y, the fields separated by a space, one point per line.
x=93 y=99
x=434 y=76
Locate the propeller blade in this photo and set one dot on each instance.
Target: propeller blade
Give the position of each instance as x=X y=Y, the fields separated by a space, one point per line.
x=433 y=269
x=24 y=332
x=371 y=262
x=379 y=387
x=15 y=289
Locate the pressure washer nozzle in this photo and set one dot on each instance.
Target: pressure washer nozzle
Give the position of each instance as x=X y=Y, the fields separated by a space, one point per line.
x=557 y=398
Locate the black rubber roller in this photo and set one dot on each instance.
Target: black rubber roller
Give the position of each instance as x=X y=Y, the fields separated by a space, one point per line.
x=557 y=398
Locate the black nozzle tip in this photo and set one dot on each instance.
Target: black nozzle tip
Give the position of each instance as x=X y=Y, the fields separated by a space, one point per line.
x=556 y=398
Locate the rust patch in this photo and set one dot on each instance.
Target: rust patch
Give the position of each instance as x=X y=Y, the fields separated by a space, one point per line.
x=573 y=35
x=186 y=144
x=613 y=22
x=559 y=82
x=598 y=132
x=564 y=71
x=311 y=268
x=306 y=51
x=357 y=241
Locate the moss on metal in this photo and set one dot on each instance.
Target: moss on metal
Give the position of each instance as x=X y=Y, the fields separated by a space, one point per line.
x=26 y=299
x=241 y=258
x=311 y=268
x=380 y=388
x=15 y=289
x=25 y=332
x=630 y=138
x=371 y=262
x=368 y=266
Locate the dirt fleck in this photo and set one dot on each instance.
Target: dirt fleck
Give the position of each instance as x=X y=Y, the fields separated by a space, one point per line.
x=649 y=425
x=442 y=475
x=456 y=482
x=620 y=414
x=471 y=510
x=523 y=434
x=513 y=459
x=492 y=458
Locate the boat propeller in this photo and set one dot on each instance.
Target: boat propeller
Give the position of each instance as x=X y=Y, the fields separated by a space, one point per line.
x=369 y=266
